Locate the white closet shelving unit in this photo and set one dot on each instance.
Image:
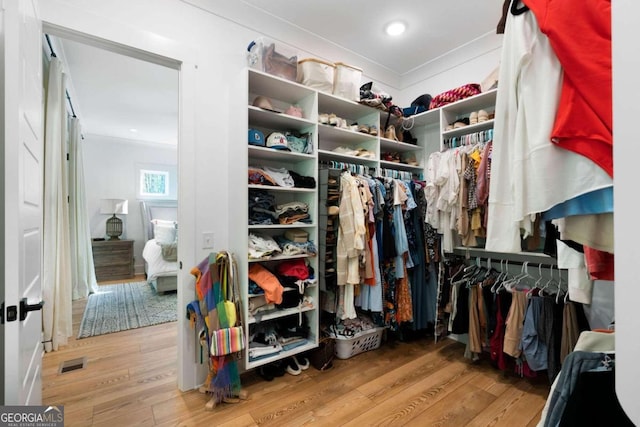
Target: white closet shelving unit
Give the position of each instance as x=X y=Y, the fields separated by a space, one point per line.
x=431 y=126
x=428 y=128
x=282 y=93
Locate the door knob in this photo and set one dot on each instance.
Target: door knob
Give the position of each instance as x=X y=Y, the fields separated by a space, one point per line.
x=26 y=308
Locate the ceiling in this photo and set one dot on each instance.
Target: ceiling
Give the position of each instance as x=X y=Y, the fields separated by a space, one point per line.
x=434 y=27
x=122 y=97
x=119 y=96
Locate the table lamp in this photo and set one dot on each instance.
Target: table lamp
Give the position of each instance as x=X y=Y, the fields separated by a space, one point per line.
x=114 y=207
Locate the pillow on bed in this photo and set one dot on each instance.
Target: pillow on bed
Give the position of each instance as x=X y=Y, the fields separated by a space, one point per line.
x=165 y=232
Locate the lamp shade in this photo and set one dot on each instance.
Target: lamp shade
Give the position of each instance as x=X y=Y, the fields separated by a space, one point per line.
x=114 y=206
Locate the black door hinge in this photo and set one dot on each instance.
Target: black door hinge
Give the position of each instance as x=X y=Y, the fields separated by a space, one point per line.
x=12 y=313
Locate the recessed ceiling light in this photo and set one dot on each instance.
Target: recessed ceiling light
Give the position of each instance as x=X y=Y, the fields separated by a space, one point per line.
x=133 y=130
x=395 y=28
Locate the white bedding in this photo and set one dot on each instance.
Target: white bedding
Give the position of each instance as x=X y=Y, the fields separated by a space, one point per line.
x=155 y=265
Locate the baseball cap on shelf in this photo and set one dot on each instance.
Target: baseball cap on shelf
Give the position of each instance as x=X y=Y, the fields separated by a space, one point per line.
x=264 y=103
x=256 y=137
x=277 y=141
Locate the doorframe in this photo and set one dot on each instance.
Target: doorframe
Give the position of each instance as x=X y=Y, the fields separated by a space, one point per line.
x=151 y=47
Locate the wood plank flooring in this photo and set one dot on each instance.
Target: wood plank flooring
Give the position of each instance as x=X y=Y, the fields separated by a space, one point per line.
x=130 y=380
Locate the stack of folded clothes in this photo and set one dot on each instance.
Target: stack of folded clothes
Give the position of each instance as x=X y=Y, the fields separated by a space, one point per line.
x=262 y=207
x=279 y=177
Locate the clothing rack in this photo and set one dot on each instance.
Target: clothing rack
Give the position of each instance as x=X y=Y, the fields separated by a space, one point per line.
x=478 y=256
x=533 y=258
x=367 y=170
x=481 y=137
x=393 y=173
x=53 y=54
x=335 y=165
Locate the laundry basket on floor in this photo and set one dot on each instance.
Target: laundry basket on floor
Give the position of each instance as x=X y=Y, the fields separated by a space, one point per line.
x=347 y=347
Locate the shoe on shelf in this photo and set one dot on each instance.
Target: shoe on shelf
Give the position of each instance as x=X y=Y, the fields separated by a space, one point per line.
x=323 y=119
x=390 y=133
x=473 y=118
x=333 y=120
x=366 y=154
x=373 y=130
x=363 y=128
x=304 y=366
x=345 y=150
x=483 y=116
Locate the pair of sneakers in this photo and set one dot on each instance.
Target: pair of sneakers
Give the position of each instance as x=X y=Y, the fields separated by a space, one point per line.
x=478 y=117
x=294 y=367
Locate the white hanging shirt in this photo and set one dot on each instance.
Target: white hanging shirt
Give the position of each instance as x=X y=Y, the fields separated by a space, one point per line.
x=528 y=173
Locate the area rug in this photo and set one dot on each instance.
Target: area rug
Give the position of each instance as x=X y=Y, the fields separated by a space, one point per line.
x=126 y=306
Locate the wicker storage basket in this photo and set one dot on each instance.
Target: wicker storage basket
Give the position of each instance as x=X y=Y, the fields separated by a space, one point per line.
x=347 y=347
x=316 y=74
x=346 y=82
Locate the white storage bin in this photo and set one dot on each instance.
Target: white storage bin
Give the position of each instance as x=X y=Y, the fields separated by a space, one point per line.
x=279 y=60
x=346 y=82
x=347 y=347
x=316 y=74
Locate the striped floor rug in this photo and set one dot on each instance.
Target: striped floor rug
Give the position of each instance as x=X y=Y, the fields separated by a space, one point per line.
x=126 y=306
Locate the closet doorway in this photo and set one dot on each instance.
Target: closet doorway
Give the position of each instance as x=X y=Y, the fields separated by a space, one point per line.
x=127 y=107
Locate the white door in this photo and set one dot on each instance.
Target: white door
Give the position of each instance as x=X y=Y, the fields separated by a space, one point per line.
x=22 y=175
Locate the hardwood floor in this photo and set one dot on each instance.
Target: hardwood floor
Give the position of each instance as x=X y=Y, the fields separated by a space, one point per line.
x=130 y=380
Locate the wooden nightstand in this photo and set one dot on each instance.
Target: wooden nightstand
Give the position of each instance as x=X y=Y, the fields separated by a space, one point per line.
x=113 y=259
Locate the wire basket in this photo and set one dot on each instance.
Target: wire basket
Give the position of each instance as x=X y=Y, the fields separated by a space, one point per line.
x=347 y=347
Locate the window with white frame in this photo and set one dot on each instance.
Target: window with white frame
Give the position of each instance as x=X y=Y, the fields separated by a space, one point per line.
x=154 y=183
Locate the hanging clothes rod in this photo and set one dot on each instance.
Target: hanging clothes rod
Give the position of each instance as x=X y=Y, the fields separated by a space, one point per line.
x=335 y=165
x=469 y=139
x=53 y=54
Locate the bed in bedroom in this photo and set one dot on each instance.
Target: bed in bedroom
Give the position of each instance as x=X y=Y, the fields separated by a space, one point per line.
x=160 y=228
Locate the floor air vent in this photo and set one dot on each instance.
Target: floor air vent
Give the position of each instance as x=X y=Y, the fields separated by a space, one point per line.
x=72 y=365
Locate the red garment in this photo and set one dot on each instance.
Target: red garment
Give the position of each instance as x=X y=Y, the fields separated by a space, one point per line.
x=580 y=34
x=497 y=339
x=599 y=264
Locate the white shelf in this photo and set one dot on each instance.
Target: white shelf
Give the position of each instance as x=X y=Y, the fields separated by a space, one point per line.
x=342 y=107
x=281 y=355
x=280 y=258
x=276 y=87
x=277 y=314
x=276 y=121
x=264 y=153
x=466 y=130
x=400 y=166
x=282 y=189
x=392 y=145
x=330 y=155
x=532 y=257
x=277 y=226
x=477 y=102
x=285 y=290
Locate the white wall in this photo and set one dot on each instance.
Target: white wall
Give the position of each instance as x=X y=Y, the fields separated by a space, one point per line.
x=626 y=110
x=111 y=172
x=470 y=63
